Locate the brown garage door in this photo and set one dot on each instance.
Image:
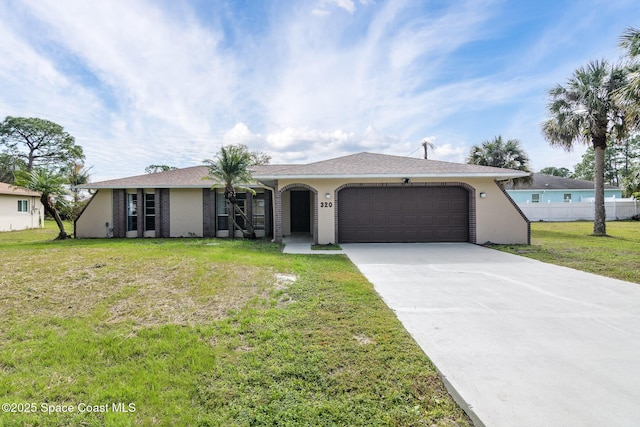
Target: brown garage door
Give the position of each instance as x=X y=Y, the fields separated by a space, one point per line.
x=403 y=214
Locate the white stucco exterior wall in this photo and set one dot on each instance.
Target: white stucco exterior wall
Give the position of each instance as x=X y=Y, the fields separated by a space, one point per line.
x=11 y=219
x=498 y=221
x=185 y=212
x=93 y=221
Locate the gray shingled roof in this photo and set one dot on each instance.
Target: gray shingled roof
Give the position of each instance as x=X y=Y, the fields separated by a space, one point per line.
x=549 y=182
x=186 y=177
x=191 y=177
x=16 y=191
x=373 y=165
x=361 y=165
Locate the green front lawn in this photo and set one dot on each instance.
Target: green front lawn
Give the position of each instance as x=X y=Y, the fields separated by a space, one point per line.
x=571 y=244
x=202 y=332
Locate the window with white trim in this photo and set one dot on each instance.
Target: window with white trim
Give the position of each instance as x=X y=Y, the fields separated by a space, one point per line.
x=535 y=198
x=567 y=197
x=258 y=211
x=23 y=206
x=241 y=201
x=149 y=212
x=222 y=212
x=132 y=212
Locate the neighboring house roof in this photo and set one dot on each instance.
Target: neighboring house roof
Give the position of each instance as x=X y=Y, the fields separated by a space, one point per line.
x=16 y=191
x=361 y=165
x=541 y=181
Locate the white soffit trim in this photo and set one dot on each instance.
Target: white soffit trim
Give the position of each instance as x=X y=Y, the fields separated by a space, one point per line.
x=134 y=187
x=376 y=176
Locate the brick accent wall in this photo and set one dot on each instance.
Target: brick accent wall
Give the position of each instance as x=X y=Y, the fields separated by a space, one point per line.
x=208 y=213
x=119 y=213
x=140 y=217
x=162 y=213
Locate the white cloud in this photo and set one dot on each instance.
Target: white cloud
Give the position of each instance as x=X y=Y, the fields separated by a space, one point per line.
x=320 y=12
x=129 y=80
x=382 y=78
x=241 y=134
x=292 y=138
x=449 y=152
x=347 y=5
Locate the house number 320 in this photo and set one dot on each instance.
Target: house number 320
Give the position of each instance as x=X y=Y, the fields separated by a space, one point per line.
x=326 y=204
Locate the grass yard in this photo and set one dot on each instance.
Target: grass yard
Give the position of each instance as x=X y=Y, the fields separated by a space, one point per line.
x=202 y=332
x=571 y=244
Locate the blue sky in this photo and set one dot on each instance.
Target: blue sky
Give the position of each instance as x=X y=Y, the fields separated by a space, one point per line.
x=168 y=82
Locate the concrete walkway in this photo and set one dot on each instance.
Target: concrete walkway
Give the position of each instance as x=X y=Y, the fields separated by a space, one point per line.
x=301 y=244
x=518 y=342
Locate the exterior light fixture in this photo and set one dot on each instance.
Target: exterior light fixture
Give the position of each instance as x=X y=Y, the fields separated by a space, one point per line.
x=483 y=194
x=327 y=195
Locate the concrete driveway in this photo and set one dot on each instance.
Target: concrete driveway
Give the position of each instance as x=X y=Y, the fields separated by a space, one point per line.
x=519 y=342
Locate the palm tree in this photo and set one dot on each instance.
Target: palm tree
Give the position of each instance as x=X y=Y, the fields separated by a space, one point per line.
x=584 y=110
x=48 y=184
x=232 y=169
x=629 y=95
x=500 y=154
x=77 y=174
x=631 y=183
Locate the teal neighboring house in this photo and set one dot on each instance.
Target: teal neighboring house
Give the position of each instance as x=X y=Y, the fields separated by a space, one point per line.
x=555 y=189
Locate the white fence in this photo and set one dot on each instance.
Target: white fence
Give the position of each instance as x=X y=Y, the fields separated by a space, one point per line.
x=616 y=209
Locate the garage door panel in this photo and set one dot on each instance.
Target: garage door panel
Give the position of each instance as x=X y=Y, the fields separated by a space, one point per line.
x=403 y=214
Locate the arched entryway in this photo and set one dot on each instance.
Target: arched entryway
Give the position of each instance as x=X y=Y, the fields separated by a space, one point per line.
x=298 y=211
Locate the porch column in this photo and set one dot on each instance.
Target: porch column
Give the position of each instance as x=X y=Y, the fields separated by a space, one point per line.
x=119 y=213
x=140 y=211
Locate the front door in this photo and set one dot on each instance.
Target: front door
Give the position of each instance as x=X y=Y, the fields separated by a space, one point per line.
x=300 y=212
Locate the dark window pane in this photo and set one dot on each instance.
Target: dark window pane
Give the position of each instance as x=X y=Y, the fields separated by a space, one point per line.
x=150 y=223
x=132 y=212
x=132 y=223
x=258 y=223
x=223 y=223
x=149 y=204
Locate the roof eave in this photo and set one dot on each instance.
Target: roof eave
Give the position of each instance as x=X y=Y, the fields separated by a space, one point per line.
x=146 y=187
x=399 y=176
x=20 y=194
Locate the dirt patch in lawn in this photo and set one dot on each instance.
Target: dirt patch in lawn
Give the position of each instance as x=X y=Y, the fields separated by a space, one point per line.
x=181 y=291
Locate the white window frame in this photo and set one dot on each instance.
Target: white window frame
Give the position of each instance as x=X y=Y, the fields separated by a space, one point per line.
x=23 y=206
x=149 y=212
x=258 y=210
x=132 y=214
x=222 y=215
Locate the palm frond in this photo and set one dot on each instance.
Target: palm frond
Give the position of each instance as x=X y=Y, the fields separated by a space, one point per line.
x=630 y=41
